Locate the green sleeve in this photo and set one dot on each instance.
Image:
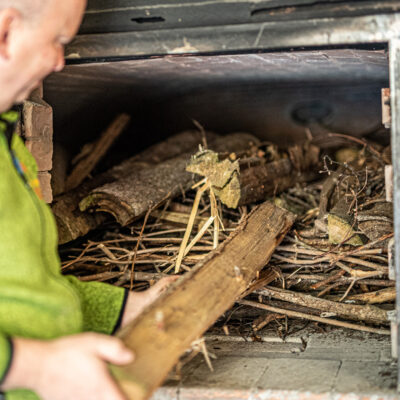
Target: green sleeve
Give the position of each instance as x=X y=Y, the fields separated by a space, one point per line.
x=102 y=305
x=6 y=351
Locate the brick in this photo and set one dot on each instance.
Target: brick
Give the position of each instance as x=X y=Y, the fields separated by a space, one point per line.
x=45 y=185
x=37 y=120
x=42 y=150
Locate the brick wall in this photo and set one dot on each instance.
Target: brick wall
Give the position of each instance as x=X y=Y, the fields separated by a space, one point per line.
x=37 y=131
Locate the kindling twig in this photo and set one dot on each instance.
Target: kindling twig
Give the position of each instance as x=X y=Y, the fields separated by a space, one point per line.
x=189 y=228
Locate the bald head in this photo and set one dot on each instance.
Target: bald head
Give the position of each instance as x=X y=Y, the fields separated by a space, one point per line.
x=28 y=8
x=30 y=51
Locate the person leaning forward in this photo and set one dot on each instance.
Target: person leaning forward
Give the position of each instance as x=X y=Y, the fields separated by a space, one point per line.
x=54 y=329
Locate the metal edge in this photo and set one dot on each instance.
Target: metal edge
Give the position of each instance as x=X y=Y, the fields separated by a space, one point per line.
x=236 y=38
x=394 y=74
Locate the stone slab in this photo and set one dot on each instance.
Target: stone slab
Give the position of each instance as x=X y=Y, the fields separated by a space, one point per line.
x=317 y=376
x=333 y=365
x=229 y=373
x=366 y=377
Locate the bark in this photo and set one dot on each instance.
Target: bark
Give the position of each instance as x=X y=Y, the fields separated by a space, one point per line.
x=380 y=296
x=130 y=197
x=366 y=313
x=72 y=223
x=262 y=181
x=296 y=314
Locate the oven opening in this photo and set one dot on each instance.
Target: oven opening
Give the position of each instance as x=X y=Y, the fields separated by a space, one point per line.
x=308 y=130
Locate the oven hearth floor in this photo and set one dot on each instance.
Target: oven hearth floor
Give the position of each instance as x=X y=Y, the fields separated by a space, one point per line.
x=340 y=364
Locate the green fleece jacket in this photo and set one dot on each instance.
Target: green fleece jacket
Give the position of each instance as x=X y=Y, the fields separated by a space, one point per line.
x=36 y=301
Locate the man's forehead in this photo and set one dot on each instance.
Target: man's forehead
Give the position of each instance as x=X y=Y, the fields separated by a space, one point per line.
x=72 y=11
x=26 y=7
x=32 y=8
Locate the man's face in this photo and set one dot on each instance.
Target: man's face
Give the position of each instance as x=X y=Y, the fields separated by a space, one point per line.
x=35 y=48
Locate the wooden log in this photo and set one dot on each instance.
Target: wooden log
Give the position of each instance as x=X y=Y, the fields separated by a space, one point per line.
x=262 y=181
x=366 y=313
x=130 y=197
x=328 y=321
x=378 y=297
x=98 y=149
x=168 y=327
x=72 y=223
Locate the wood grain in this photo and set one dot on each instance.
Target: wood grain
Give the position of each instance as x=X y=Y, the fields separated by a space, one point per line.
x=166 y=329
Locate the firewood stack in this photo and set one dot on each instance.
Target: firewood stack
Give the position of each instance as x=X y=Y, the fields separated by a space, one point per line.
x=329 y=265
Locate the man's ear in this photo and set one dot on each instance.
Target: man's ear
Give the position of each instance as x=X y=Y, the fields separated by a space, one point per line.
x=7 y=17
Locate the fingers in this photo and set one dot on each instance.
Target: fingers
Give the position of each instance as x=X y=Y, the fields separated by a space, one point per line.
x=162 y=285
x=171 y=279
x=165 y=282
x=111 y=349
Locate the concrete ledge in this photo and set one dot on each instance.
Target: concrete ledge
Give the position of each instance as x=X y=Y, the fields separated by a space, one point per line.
x=166 y=393
x=335 y=365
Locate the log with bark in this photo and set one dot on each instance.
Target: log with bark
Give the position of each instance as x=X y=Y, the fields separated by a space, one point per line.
x=364 y=313
x=72 y=223
x=169 y=326
x=130 y=197
x=311 y=317
x=262 y=181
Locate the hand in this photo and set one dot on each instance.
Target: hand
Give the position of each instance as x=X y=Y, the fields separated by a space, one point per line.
x=137 y=302
x=73 y=367
x=160 y=287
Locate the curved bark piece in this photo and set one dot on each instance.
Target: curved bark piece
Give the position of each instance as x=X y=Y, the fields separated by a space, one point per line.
x=130 y=197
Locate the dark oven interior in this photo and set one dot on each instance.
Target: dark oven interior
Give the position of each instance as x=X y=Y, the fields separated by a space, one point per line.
x=275 y=95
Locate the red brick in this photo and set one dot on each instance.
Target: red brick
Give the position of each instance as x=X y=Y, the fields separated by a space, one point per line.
x=45 y=185
x=42 y=150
